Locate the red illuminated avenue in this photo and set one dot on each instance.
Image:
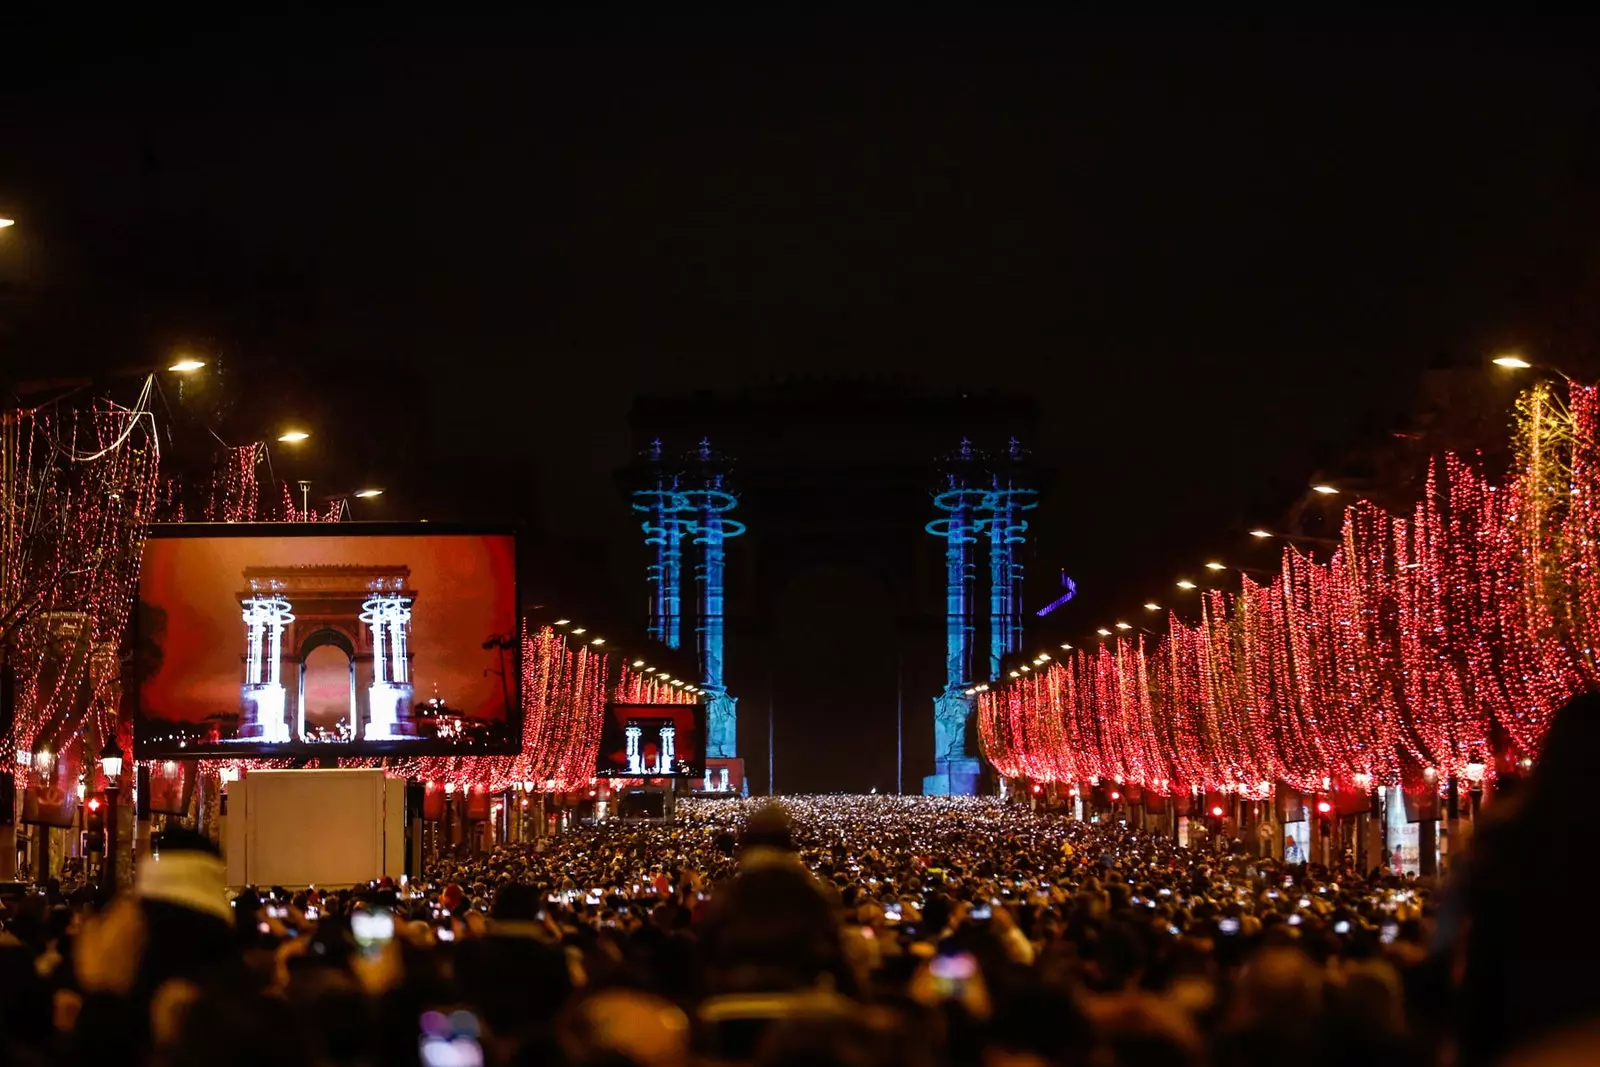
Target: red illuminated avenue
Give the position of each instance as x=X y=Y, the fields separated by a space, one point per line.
x=1437 y=643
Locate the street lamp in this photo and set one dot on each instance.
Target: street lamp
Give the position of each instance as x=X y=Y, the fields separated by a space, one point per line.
x=1476 y=770
x=5 y=223
x=111 y=766
x=368 y=494
x=1325 y=542
x=293 y=437
x=1215 y=566
x=1325 y=490
x=1186 y=584
x=186 y=366
x=1513 y=361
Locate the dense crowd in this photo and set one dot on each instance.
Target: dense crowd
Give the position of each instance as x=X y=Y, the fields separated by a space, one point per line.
x=837 y=930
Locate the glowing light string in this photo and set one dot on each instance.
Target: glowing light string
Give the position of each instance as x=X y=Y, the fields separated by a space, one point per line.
x=1439 y=640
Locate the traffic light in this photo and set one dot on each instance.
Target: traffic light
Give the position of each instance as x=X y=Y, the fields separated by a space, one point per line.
x=95 y=823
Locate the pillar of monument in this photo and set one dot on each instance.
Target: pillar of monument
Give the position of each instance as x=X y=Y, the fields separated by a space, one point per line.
x=263 y=711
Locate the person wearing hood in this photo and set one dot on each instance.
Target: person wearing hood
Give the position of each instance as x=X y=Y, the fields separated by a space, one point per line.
x=772 y=927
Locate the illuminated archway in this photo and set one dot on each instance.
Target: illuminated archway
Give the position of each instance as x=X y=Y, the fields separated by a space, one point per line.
x=325 y=638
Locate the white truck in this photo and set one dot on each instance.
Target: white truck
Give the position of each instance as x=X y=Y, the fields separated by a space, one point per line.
x=327 y=828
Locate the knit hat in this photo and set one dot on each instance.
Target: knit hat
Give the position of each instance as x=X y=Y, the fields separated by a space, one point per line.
x=190 y=879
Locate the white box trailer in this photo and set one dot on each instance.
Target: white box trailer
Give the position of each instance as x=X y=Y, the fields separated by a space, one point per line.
x=314 y=827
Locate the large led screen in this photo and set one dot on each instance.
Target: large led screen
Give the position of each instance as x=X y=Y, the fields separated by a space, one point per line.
x=302 y=639
x=653 y=741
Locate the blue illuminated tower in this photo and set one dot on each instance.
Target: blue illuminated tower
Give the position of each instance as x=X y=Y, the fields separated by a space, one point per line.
x=961 y=495
x=703 y=489
x=1002 y=505
x=664 y=526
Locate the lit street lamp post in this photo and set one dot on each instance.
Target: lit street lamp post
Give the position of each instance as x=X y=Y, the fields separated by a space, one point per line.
x=111 y=765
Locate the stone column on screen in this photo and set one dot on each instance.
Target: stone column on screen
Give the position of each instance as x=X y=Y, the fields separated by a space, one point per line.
x=635 y=761
x=263 y=709
x=388 y=614
x=666 y=757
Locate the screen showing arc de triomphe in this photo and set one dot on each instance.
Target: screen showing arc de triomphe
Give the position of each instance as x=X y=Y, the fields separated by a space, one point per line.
x=326 y=641
x=289 y=613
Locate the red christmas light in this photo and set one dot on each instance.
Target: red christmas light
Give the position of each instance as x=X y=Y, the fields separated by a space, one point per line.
x=1418 y=643
x=77 y=486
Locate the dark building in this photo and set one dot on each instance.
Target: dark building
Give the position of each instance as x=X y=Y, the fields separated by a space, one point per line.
x=835 y=596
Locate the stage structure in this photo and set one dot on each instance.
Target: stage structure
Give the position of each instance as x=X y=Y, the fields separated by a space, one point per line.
x=688 y=496
x=666 y=522
x=979 y=495
x=955 y=770
x=1007 y=529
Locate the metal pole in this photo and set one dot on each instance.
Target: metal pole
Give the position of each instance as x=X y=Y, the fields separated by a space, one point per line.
x=771 y=749
x=1452 y=851
x=899 y=727
x=109 y=885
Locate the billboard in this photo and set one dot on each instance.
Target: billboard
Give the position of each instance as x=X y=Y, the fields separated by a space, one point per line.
x=724 y=775
x=344 y=639
x=653 y=741
x=52 y=799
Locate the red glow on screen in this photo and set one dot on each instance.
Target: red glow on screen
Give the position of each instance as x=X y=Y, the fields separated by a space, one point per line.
x=396 y=642
x=652 y=741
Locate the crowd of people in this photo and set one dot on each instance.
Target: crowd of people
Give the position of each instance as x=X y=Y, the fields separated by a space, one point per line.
x=903 y=932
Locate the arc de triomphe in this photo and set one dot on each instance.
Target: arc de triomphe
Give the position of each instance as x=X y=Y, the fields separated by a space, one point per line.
x=289 y=612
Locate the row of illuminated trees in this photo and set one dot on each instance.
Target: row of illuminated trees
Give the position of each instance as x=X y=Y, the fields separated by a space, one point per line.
x=1431 y=644
x=77 y=486
x=566 y=683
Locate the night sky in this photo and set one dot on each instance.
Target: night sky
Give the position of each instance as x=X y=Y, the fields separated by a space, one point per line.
x=1216 y=256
